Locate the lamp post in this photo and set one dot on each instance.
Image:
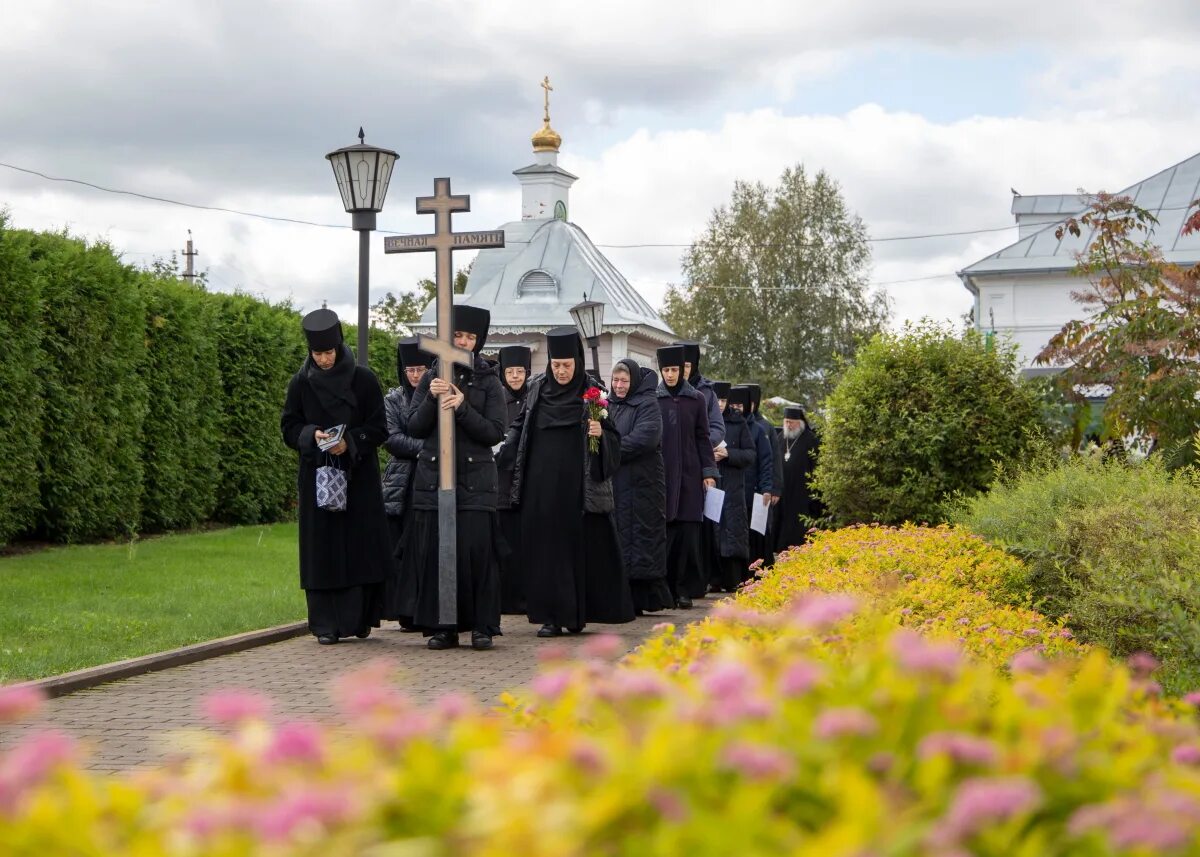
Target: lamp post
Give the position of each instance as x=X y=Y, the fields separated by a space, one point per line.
x=362 y=173
x=589 y=318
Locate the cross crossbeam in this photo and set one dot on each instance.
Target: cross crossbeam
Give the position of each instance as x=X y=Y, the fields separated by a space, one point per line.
x=442 y=242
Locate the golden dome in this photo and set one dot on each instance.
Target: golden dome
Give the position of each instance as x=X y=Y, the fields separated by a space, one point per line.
x=546 y=139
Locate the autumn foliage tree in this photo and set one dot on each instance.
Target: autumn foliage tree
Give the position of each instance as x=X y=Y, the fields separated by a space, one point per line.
x=1141 y=334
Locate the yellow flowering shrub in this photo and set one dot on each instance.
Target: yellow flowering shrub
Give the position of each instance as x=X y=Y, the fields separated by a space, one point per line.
x=804 y=718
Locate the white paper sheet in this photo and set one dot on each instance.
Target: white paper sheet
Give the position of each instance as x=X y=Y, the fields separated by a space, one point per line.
x=714 y=498
x=758 y=515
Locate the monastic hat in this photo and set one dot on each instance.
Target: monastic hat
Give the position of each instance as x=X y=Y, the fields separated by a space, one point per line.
x=472 y=319
x=516 y=355
x=322 y=330
x=563 y=343
x=755 y=395
x=739 y=395
x=793 y=413
x=691 y=353
x=670 y=355
x=408 y=354
x=721 y=388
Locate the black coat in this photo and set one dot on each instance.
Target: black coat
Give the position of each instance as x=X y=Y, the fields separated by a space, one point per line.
x=598 y=468
x=763 y=480
x=687 y=455
x=734 y=529
x=350 y=548
x=397 y=476
x=639 y=487
x=479 y=425
x=514 y=406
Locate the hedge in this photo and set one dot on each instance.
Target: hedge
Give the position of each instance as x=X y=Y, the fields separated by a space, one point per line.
x=20 y=401
x=142 y=403
x=793 y=721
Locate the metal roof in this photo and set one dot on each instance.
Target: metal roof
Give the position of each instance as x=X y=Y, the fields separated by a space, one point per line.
x=1167 y=195
x=513 y=282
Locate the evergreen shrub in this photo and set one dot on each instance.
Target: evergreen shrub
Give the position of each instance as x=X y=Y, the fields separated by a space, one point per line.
x=918 y=417
x=92 y=330
x=20 y=388
x=1112 y=548
x=182 y=447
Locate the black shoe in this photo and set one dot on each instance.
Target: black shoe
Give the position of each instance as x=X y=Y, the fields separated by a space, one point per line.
x=362 y=635
x=578 y=630
x=549 y=631
x=443 y=640
x=327 y=639
x=480 y=641
x=683 y=602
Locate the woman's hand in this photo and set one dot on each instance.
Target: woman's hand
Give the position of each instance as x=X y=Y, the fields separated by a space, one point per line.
x=451 y=399
x=720 y=453
x=594 y=429
x=710 y=483
x=438 y=387
x=339 y=449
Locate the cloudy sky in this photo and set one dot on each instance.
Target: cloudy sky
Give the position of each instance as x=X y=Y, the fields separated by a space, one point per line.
x=926 y=112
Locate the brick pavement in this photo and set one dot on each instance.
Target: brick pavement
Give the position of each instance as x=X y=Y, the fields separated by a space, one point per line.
x=134 y=721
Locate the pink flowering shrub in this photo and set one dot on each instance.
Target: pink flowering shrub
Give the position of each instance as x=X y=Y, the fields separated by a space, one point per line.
x=806 y=720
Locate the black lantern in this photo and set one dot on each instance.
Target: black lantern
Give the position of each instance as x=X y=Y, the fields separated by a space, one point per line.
x=363 y=173
x=589 y=319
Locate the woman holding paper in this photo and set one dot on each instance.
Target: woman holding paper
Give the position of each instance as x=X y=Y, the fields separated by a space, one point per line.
x=736 y=466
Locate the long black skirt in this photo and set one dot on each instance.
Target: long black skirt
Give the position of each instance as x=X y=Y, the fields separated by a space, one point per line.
x=478 y=573
x=400 y=589
x=512 y=569
x=650 y=596
x=685 y=568
x=345 y=612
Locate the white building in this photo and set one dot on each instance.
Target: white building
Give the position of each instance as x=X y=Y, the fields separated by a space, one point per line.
x=1023 y=292
x=548 y=265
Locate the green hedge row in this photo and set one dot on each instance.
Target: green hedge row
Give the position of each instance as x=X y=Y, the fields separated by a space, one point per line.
x=134 y=402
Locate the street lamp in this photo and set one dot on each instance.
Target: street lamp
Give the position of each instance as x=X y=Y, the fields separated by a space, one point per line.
x=362 y=173
x=589 y=319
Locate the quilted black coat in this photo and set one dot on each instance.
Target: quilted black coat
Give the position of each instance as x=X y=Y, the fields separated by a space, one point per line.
x=404 y=449
x=639 y=486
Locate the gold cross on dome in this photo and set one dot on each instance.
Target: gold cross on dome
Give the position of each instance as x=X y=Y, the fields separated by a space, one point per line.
x=545 y=84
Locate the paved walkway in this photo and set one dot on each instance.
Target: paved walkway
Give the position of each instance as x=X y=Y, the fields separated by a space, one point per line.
x=131 y=722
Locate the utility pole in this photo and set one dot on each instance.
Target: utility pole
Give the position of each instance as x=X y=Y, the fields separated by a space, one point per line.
x=189 y=253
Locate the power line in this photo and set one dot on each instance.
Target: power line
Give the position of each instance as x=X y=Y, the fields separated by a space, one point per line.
x=279 y=219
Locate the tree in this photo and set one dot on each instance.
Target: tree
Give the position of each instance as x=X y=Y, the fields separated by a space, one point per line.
x=919 y=417
x=777 y=286
x=395 y=314
x=1141 y=336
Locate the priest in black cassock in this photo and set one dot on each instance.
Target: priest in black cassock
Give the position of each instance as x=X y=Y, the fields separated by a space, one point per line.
x=800 y=448
x=574 y=574
x=344 y=556
x=515 y=363
x=477 y=400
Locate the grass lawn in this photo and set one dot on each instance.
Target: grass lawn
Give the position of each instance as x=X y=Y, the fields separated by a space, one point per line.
x=62 y=609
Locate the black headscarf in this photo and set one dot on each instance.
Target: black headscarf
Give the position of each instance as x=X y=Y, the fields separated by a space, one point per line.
x=635 y=376
x=334 y=386
x=561 y=405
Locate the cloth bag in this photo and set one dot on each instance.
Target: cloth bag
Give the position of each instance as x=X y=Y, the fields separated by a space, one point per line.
x=333 y=487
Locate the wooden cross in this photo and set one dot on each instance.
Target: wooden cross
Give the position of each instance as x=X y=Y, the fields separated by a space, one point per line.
x=443 y=241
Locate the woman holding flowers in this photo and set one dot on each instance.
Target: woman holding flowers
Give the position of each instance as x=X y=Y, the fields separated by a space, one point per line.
x=563 y=451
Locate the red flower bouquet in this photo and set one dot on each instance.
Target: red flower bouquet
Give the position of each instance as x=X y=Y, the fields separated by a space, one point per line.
x=597 y=409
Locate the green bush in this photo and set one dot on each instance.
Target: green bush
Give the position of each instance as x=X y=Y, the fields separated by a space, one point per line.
x=918 y=417
x=20 y=393
x=259 y=347
x=1113 y=547
x=92 y=328
x=181 y=449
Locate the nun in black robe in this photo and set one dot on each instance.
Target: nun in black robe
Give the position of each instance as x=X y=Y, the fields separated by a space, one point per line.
x=344 y=556
x=515 y=364
x=479 y=425
x=574 y=573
